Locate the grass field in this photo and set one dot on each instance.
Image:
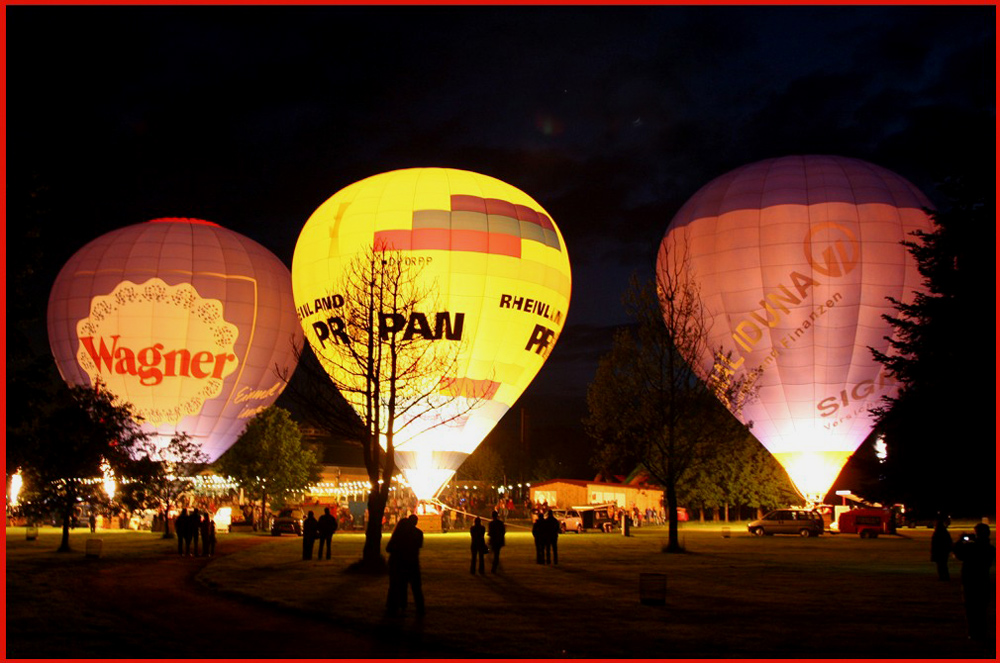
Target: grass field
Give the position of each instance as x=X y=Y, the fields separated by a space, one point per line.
x=772 y=597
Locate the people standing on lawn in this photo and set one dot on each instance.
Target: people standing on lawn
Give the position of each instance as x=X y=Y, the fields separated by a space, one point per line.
x=207 y=535
x=404 y=566
x=479 y=548
x=310 y=530
x=180 y=530
x=411 y=561
x=978 y=555
x=191 y=533
x=327 y=527
x=497 y=530
x=551 y=539
x=539 y=532
x=395 y=602
x=941 y=548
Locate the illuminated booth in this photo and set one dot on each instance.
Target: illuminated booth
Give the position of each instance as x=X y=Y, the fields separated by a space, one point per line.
x=182 y=318
x=795 y=259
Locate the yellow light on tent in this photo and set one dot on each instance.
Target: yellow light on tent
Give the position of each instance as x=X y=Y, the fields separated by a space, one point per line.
x=499 y=273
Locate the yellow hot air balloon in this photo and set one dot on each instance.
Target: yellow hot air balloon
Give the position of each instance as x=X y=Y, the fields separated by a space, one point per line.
x=495 y=277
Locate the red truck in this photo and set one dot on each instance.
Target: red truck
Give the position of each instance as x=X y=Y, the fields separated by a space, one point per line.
x=867 y=522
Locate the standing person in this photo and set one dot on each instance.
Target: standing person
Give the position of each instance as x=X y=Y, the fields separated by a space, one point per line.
x=310 y=529
x=977 y=555
x=539 y=532
x=479 y=549
x=92 y=520
x=497 y=531
x=941 y=548
x=551 y=539
x=180 y=530
x=395 y=601
x=208 y=535
x=411 y=564
x=191 y=533
x=327 y=526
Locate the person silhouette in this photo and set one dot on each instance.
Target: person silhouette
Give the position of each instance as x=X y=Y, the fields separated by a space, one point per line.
x=977 y=555
x=180 y=530
x=551 y=539
x=479 y=549
x=497 y=531
x=310 y=529
x=191 y=532
x=414 y=541
x=539 y=532
x=395 y=601
x=208 y=535
x=941 y=548
x=327 y=526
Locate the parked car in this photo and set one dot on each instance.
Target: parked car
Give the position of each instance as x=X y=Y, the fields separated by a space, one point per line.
x=923 y=518
x=570 y=520
x=804 y=522
x=287 y=520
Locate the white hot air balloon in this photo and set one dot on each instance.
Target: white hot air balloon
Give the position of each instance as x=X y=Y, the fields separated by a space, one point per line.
x=795 y=258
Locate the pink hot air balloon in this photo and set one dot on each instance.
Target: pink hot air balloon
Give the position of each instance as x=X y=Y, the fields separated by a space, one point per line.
x=794 y=258
x=182 y=318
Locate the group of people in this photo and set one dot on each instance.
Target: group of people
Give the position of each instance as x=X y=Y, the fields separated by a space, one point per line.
x=189 y=528
x=545 y=531
x=404 y=558
x=497 y=532
x=323 y=529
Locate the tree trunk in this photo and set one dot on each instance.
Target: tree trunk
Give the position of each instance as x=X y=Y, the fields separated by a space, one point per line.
x=673 y=540
x=727 y=511
x=371 y=556
x=701 y=514
x=264 y=524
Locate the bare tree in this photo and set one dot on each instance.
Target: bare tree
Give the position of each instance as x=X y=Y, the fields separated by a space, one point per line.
x=650 y=402
x=390 y=362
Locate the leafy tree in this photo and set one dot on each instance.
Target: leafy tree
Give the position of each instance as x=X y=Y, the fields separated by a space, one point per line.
x=484 y=464
x=268 y=460
x=739 y=472
x=646 y=403
x=82 y=430
x=931 y=360
x=392 y=379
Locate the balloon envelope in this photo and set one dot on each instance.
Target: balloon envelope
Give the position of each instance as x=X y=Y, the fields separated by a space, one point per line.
x=182 y=318
x=493 y=259
x=794 y=258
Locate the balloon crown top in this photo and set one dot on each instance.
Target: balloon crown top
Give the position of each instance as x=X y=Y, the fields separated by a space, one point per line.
x=177 y=219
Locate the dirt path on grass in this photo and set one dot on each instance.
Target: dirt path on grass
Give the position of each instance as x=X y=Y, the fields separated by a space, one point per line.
x=165 y=612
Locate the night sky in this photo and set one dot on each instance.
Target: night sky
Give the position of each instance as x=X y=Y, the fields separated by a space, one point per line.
x=610 y=117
